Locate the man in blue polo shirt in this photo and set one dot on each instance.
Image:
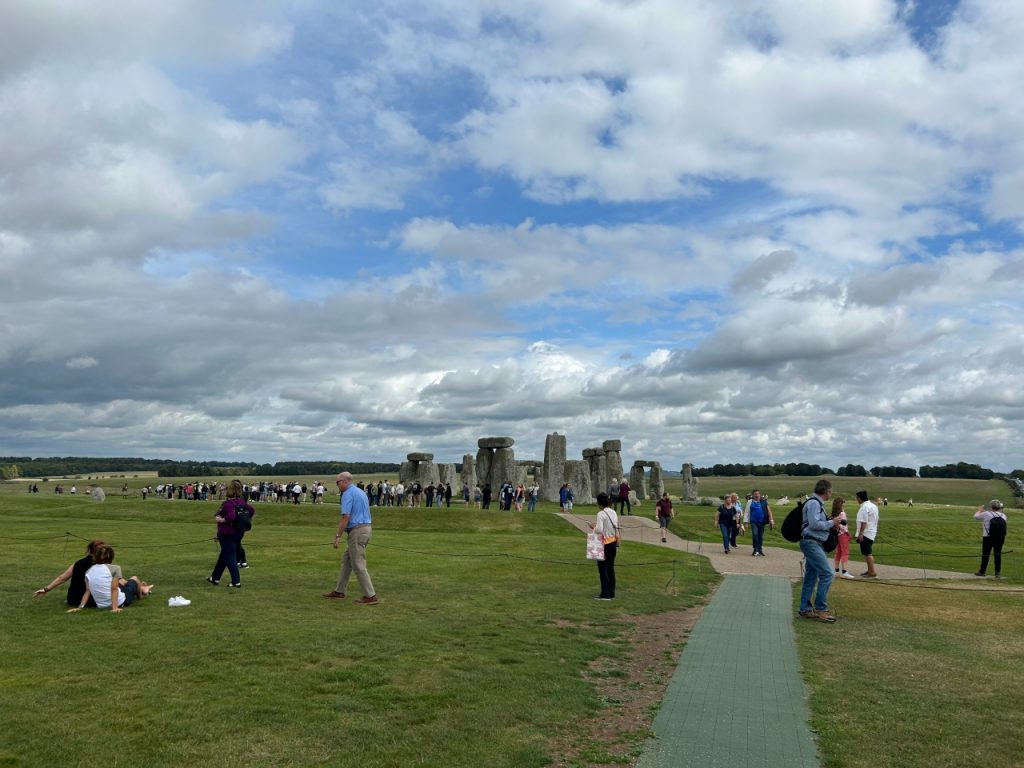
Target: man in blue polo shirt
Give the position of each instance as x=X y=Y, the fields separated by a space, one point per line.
x=355 y=523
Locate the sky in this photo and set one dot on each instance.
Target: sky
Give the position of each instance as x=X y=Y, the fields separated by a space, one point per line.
x=755 y=231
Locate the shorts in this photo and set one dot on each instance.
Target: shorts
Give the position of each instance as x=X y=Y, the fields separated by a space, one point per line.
x=663 y=521
x=131 y=592
x=865 y=545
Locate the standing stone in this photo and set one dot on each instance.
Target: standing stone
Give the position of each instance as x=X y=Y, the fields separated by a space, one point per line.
x=447 y=474
x=407 y=472
x=691 y=492
x=484 y=459
x=554 y=467
x=504 y=467
x=657 y=482
x=469 y=471
x=613 y=458
x=426 y=473
x=578 y=473
x=638 y=480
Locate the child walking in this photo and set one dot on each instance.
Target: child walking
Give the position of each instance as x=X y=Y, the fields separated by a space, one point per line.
x=843 y=542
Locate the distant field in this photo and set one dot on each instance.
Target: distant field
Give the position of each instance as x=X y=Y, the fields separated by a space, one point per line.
x=897 y=490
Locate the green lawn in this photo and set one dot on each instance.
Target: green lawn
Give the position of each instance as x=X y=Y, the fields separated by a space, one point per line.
x=917 y=678
x=477 y=654
x=897 y=489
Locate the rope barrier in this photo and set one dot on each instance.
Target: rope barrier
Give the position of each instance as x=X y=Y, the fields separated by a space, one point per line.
x=67 y=536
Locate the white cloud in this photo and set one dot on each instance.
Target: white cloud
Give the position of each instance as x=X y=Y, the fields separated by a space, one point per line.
x=82 y=362
x=720 y=232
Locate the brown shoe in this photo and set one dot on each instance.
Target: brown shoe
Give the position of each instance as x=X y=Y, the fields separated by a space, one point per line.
x=371 y=600
x=334 y=595
x=828 y=618
x=808 y=614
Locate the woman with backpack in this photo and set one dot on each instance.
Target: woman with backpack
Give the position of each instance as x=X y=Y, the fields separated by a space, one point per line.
x=993 y=534
x=233 y=518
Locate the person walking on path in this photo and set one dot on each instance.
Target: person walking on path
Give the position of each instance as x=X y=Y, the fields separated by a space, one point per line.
x=624 y=504
x=725 y=519
x=355 y=523
x=842 y=558
x=817 y=573
x=993 y=534
x=760 y=515
x=607 y=526
x=665 y=514
x=867 y=531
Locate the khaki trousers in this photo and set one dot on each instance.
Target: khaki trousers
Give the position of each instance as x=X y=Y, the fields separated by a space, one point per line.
x=354 y=559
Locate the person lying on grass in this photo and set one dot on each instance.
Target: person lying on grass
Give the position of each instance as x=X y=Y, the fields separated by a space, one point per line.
x=75 y=575
x=106 y=589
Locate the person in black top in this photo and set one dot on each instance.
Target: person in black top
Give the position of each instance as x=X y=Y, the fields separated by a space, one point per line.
x=75 y=576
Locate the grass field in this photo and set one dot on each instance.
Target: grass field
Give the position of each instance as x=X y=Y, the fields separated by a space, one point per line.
x=480 y=651
x=478 y=654
x=917 y=677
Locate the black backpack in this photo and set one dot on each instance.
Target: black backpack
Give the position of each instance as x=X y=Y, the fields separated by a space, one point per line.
x=997 y=527
x=243 y=518
x=792 y=526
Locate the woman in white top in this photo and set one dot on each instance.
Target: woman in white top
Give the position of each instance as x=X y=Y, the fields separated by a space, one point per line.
x=607 y=525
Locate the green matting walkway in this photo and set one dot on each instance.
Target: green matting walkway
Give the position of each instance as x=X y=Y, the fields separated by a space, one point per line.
x=737 y=698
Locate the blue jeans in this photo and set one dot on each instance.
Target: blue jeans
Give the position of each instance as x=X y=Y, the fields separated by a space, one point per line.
x=757 y=535
x=228 y=557
x=726 y=535
x=531 y=505
x=816 y=569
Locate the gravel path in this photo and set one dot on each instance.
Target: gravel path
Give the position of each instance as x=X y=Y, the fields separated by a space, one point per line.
x=776 y=562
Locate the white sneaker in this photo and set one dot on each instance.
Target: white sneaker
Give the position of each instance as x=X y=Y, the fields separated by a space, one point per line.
x=178 y=602
x=848 y=575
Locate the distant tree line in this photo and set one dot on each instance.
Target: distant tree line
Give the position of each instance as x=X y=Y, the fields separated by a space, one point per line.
x=25 y=466
x=762 y=470
x=960 y=470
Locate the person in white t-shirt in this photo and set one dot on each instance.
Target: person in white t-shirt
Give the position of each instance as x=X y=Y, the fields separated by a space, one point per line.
x=867 y=531
x=607 y=526
x=104 y=586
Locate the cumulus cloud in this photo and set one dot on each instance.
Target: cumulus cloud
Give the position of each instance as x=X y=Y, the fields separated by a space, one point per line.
x=720 y=232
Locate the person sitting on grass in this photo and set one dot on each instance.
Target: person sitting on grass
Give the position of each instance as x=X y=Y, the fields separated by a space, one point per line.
x=75 y=576
x=106 y=589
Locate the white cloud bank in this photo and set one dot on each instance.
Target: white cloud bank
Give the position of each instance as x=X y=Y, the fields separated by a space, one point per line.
x=720 y=232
